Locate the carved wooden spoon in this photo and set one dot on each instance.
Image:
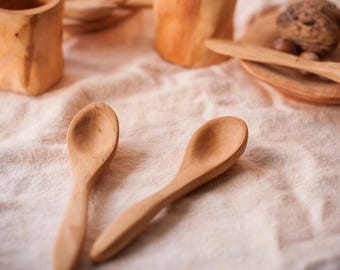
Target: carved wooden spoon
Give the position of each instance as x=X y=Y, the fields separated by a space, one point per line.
x=92 y=139
x=327 y=69
x=212 y=150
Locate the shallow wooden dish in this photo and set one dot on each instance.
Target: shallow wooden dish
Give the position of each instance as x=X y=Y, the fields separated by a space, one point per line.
x=289 y=81
x=74 y=27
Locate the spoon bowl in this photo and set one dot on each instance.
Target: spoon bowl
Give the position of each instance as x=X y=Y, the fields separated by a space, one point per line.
x=212 y=150
x=208 y=144
x=92 y=139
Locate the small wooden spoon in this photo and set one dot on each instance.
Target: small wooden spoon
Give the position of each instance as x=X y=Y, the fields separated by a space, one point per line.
x=92 y=139
x=212 y=150
x=327 y=69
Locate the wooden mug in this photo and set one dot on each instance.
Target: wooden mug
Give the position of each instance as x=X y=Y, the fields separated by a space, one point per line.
x=31 y=58
x=182 y=26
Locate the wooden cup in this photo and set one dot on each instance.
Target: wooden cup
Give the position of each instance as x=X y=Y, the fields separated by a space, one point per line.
x=31 y=58
x=182 y=26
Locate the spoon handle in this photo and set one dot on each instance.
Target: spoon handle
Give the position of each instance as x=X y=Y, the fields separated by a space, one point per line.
x=130 y=224
x=329 y=70
x=72 y=230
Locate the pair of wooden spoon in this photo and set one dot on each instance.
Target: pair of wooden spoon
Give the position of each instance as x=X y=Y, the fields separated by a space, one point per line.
x=92 y=140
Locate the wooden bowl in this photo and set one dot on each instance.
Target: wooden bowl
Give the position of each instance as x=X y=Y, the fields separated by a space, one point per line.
x=262 y=31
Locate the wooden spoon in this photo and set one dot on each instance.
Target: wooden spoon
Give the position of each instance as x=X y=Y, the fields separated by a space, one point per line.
x=212 y=150
x=327 y=69
x=92 y=139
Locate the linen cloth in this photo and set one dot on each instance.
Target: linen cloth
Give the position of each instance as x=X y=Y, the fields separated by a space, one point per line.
x=277 y=208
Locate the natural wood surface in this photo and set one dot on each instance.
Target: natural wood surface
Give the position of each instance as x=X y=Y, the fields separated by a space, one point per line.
x=212 y=150
x=89 y=10
x=183 y=26
x=250 y=52
x=310 y=88
x=74 y=27
x=31 y=59
x=21 y=4
x=92 y=139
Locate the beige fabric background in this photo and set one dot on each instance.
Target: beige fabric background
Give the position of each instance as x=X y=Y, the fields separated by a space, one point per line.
x=277 y=208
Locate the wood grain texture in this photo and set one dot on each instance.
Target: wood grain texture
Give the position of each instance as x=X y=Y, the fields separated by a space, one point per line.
x=212 y=150
x=183 y=26
x=289 y=81
x=92 y=139
x=31 y=59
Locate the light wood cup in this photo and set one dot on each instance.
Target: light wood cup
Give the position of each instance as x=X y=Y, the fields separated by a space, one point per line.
x=31 y=59
x=183 y=26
